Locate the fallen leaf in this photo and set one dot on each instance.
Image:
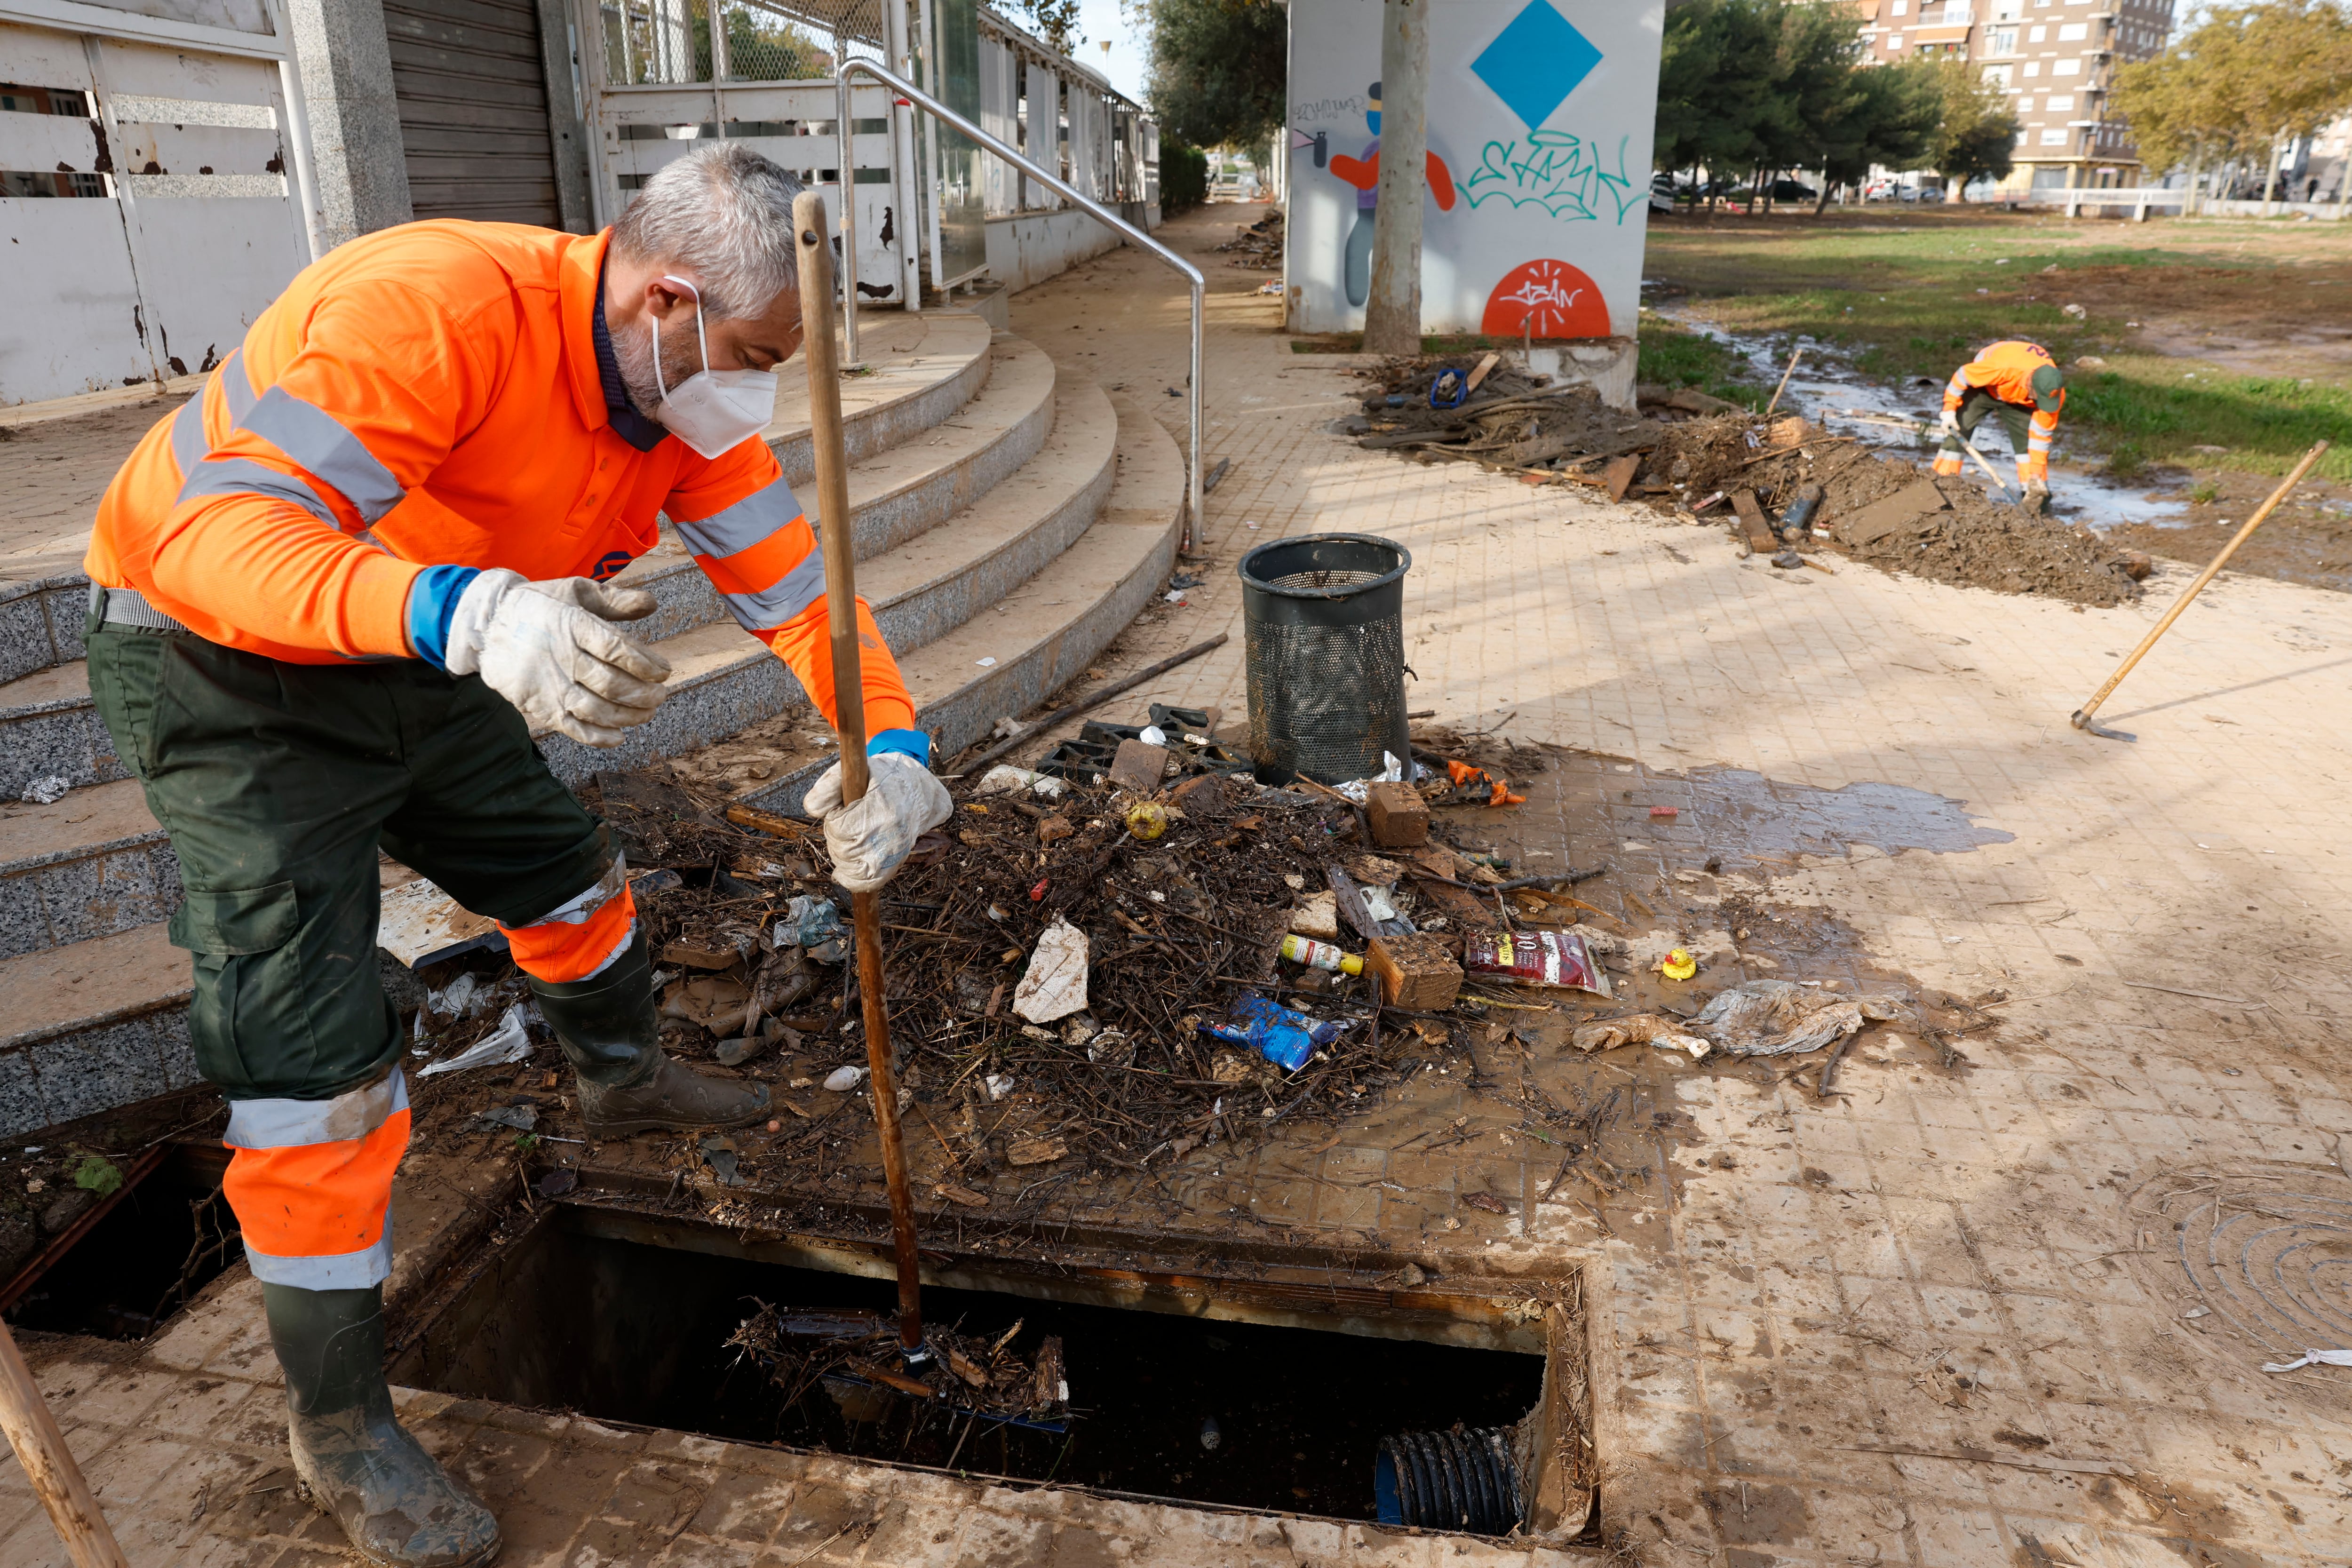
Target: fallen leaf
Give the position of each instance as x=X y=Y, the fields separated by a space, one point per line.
x=1492 y=1206
x=963 y=1195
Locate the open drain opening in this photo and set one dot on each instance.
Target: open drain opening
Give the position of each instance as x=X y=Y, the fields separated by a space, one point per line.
x=584 y=1315
x=135 y=1257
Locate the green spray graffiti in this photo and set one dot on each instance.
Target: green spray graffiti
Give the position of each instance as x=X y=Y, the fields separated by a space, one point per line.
x=1559 y=172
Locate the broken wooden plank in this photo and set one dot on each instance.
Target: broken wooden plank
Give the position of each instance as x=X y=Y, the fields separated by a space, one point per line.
x=1620 y=473
x=1758 y=527
x=1479 y=374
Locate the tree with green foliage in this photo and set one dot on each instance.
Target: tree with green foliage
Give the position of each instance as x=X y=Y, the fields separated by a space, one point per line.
x=1720 y=85
x=1055 y=21
x=1977 y=139
x=1220 y=71
x=2240 y=87
x=1889 y=122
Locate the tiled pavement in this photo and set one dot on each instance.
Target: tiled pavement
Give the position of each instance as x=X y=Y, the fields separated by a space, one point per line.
x=1939 y=1260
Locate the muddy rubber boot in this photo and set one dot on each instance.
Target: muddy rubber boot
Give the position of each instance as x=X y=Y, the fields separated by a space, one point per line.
x=627 y=1083
x=397 y=1505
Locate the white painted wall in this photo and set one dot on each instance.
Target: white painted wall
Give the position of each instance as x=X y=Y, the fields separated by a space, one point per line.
x=1543 y=204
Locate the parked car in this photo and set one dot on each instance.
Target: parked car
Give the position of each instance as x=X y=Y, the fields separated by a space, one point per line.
x=1782 y=191
x=1882 y=190
x=1663 y=192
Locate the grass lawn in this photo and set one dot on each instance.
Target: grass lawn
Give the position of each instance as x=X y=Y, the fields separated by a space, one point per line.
x=2214 y=335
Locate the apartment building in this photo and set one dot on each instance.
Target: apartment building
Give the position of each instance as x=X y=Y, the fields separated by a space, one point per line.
x=2057 y=58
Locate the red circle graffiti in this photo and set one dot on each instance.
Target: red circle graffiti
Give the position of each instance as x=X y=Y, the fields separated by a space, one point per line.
x=1551 y=299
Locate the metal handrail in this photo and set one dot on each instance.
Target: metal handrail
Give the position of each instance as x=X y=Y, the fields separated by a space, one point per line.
x=1128 y=231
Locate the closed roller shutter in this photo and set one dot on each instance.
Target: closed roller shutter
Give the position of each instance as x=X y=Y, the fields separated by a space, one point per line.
x=472 y=90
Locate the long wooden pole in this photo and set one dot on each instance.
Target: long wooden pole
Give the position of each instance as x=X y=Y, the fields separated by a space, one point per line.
x=49 y=1465
x=849 y=728
x=2083 y=715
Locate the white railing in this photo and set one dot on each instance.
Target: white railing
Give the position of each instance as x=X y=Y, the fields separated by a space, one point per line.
x=1053 y=182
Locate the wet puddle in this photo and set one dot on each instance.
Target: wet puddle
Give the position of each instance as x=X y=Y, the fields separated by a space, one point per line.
x=1828 y=390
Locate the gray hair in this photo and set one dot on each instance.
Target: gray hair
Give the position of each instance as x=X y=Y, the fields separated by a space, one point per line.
x=723 y=213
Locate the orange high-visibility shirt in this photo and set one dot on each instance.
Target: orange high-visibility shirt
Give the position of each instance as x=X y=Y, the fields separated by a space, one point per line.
x=2005 y=370
x=429 y=395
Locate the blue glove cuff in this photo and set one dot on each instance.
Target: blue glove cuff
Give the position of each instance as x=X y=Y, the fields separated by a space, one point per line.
x=432 y=605
x=913 y=742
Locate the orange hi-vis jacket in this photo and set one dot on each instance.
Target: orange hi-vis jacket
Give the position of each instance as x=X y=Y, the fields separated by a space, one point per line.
x=2006 y=370
x=430 y=395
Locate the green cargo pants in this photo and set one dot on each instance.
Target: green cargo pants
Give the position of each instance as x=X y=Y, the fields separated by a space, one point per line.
x=1977 y=406
x=277 y=784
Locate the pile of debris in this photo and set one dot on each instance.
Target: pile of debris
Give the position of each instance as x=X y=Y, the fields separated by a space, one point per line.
x=1691 y=453
x=853 y=1356
x=1258 y=246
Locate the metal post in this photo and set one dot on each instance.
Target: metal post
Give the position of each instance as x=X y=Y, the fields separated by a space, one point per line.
x=720 y=68
x=847 y=175
x=1060 y=186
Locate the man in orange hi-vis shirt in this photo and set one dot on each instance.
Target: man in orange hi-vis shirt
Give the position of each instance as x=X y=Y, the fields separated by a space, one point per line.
x=2023 y=384
x=331 y=596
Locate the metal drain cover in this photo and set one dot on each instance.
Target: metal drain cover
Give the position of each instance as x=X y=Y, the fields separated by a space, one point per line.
x=2265 y=1255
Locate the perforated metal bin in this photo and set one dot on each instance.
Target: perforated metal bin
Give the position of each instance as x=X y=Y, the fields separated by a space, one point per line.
x=1323 y=617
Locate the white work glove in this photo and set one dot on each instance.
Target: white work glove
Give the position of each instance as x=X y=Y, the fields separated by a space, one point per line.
x=1952 y=421
x=551 y=650
x=868 y=839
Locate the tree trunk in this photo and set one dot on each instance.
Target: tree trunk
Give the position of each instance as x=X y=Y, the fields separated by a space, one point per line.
x=2189 y=201
x=1392 y=314
x=2269 y=181
x=1823 y=206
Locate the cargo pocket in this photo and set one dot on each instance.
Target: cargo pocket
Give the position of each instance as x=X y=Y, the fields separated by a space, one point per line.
x=249 y=1022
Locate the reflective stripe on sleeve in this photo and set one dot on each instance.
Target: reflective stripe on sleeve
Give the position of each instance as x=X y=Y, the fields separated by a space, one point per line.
x=739 y=527
x=243 y=476
x=188 y=443
x=792 y=593
x=287 y=1123
x=318 y=441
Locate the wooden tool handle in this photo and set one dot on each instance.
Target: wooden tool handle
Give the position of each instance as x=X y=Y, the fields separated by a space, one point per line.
x=815 y=256
x=56 y=1480
x=831 y=486
x=2083 y=714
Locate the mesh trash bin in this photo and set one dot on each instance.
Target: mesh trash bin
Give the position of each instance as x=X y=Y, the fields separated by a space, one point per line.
x=1324 y=619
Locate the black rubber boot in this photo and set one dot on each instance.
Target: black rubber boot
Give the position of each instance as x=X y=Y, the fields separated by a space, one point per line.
x=398 y=1506
x=628 y=1084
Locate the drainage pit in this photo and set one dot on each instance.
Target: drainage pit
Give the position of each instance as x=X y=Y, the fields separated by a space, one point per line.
x=625 y=1319
x=137 y=1256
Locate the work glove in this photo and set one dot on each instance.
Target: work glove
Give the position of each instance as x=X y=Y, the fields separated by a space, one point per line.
x=2037 y=495
x=1952 y=421
x=550 y=648
x=868 y=838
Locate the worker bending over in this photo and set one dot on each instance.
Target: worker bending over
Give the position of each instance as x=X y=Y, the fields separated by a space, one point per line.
x=332 y=596
x=2020 y=382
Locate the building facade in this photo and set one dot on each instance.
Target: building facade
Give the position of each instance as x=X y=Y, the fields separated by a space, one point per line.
x=2056 y=59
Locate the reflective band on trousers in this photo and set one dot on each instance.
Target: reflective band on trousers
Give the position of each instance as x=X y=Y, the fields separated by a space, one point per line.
x=558 y=950
x=318 y=1215
x=290 y=1123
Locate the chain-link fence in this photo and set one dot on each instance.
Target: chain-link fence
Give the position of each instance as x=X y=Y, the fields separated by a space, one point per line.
x=672 y=41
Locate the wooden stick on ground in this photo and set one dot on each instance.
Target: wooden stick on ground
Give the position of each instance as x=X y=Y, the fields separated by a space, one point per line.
x=1794 y=355
x=2083 y=719
x=849 y=725
x=1084 y=704
x=49 y=1465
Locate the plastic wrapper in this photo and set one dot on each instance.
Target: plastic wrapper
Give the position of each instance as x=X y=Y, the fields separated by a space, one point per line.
x=1781 y=1017
x=1288 y=1039
x=1552 y=958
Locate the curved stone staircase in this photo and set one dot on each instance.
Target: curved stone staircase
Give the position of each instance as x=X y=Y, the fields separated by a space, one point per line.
x=1009 y=519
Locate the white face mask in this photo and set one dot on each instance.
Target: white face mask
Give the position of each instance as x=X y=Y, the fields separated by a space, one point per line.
x=713 y=411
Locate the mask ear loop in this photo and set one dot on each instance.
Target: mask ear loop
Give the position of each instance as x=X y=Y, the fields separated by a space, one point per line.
x=700 y=337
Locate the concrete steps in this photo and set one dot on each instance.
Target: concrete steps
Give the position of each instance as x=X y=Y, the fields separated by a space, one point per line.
x=1001 y=512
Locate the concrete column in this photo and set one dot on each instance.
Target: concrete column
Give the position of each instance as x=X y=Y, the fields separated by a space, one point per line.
x=359 y=162
x=1393 y=311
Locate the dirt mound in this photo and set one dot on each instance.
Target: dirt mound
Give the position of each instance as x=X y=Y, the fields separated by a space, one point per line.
x=1513 y=420
x=1944 y=530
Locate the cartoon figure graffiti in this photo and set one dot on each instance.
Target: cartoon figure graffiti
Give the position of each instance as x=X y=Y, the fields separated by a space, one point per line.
x=1546 y=298
x=1364 y=173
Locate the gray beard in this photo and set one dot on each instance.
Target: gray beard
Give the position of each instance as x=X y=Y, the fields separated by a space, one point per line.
x=633 y=349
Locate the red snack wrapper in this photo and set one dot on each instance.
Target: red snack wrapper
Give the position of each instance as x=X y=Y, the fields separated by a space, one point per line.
x=1557 y=958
